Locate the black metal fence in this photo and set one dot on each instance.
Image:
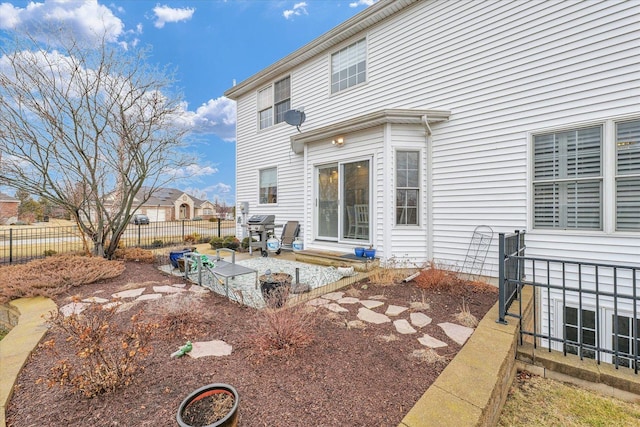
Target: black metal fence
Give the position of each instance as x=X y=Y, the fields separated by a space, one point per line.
x=583 y=308
x=23 y=243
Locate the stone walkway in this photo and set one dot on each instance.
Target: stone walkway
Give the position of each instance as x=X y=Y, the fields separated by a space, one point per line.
x=375 y=311
x=371 y=311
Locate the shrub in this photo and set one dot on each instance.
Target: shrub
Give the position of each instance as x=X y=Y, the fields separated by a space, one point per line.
x=54 y=275
x=181 y=316
x=231 y=242
x=436 y=278
x=388 y=273
x=245 y=243
x=49 y=252
x=135 y=254
x=157 y=243
x=107 y=357
x=192 y=238
x=282 y=331
x=216 y=242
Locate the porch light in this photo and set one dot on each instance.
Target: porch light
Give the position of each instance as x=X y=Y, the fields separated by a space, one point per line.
x=338 y=142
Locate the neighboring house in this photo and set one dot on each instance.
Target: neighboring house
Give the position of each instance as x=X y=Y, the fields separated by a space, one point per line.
x=169 y=204
x=8 y=209
x=427 y=118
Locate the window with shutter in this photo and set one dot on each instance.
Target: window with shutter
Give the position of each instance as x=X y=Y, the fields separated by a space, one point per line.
x=567 y=179
x=628 y=175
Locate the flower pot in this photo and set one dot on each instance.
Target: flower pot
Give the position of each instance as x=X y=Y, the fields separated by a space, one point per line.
x=275 y=288
x=358 y=251
x=210 y=406
x=370 y=253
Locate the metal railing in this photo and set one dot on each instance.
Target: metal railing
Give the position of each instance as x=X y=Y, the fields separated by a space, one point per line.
x=583 y=308
x=24 y=243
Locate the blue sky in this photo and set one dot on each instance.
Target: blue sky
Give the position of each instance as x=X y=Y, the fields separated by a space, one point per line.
x=211 y=43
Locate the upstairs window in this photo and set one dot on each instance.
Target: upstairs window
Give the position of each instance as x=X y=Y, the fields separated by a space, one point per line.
x=273 y=102
x=407 y=187
x=268 y=186
x=349 y=66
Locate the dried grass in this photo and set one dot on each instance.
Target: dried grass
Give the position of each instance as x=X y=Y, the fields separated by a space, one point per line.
x=180 y=315
x=135 y=254
x=428 y=355
x=439 y=278
x=465 y=317
x=390 y=272
x=54 y=275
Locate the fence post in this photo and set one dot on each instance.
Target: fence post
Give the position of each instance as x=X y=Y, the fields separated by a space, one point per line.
x=219 y=225
x=139 y=235
x=10 y=245
x=501 y=280
x=183 y=229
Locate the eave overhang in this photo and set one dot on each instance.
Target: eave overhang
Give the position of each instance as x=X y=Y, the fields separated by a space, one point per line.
x=377 y=118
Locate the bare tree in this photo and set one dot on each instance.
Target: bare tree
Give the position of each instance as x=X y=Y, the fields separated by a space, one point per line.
x=86 y=127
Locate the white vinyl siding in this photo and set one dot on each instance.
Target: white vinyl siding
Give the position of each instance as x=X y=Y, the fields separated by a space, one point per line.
x=349 y=66
x=628 y=175
x=506 y=70
x=567 y=181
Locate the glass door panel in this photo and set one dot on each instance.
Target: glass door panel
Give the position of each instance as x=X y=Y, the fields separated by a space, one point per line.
x=356 y=206
x=327 y=202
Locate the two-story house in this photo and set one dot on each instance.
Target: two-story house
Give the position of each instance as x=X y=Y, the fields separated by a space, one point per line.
x=427 y=118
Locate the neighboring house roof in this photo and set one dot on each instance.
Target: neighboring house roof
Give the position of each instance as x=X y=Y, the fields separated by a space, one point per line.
x=362 y=21
x=7 y=198
x=168 y=196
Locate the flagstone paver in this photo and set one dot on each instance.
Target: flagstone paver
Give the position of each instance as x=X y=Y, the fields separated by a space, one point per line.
x=458 y=333
x=419 y=320
x=198 y=289
x=378 y=297
x=166 y=289
x=356 y=324
x=337 y=308
x=210 y=348
x=431 y=342
x=334 y=296
x=318 y=301
x=129 y=293
x=147 y=297
x=95 y=300
x=395 y=310
x=112 y=304
x=371 y=316
x=348 y=300
x=371 y=304
x=74 y=308
x=403 y=327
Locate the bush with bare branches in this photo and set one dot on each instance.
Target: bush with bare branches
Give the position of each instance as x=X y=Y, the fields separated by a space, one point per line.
x=438 y=278
x=54 y=275
x=282 y=331
x=107 y=357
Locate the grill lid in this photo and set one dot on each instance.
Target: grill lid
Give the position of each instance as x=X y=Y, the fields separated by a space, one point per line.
x=261 y=219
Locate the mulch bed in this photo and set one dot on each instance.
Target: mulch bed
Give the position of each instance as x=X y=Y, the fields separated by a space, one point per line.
x=345 y=377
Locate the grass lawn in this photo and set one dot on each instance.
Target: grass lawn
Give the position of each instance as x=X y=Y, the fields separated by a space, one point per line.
x=537 y=401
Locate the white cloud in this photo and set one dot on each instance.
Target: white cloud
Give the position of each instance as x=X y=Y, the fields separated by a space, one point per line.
x=192 y=171
x=166 y=14
x=86 y=20
x=217 y=116
x=219 y=191
x=298 y=9
x=366 y=3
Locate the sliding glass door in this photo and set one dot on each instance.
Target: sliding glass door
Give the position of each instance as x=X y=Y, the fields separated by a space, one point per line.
x=343 y=201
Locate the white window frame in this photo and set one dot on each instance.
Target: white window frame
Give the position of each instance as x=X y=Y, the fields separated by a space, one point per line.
x=342 y=74
x=266 y=201
x=398 y=188
x=608 y=174
x=271 y=103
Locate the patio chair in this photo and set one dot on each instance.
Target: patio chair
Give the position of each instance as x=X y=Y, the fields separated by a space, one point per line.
x=290 y=232
x=362 y=221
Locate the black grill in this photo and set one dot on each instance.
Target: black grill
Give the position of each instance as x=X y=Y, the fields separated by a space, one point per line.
x=260 y=226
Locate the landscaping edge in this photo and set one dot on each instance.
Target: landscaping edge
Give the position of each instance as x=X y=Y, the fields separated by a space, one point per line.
x=21 y=340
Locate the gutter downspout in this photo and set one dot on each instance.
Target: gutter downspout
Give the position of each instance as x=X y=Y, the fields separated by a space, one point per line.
x=429 y=192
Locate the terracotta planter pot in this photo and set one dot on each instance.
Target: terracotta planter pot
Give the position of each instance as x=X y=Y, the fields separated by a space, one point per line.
x=195 y=406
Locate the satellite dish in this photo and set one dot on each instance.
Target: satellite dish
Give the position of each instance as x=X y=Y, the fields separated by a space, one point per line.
x=295 y=118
